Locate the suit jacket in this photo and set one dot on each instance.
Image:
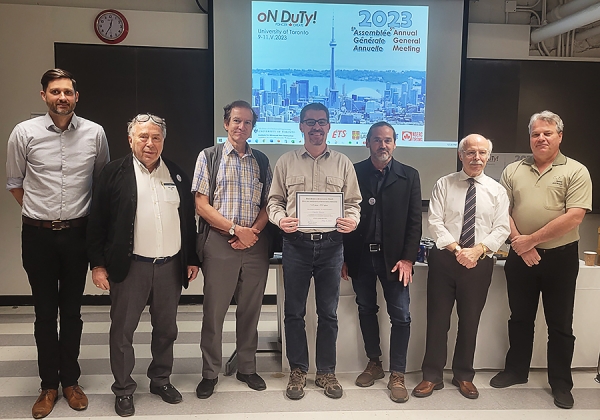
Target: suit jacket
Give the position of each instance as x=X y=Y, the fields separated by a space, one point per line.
x=110 y=226
x=400 y=197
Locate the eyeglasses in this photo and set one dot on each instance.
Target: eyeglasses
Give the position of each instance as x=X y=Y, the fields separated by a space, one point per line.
x=311 y=122
x=473 y=153
x=147 y=117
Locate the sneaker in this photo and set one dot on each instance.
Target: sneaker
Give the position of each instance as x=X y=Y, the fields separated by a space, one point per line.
x=398 y=392
x=330 y=384
x=296 y=384
x=372 y=371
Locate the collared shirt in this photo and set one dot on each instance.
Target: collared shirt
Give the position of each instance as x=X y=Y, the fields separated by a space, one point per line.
x=375 y=231
x=537 y=199
x=55 y=168
x=238 y=192
x=156 y=226
x=299 y=171
x=447 y=206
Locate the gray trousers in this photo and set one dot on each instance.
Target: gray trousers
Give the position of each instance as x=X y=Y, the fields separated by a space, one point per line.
x=232 y=273
x=161 y=286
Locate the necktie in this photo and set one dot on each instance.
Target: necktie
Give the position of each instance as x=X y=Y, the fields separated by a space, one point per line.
x=467 y=236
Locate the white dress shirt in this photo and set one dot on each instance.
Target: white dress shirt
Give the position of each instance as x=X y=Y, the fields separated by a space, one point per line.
x=156 y=231
x=447 y=206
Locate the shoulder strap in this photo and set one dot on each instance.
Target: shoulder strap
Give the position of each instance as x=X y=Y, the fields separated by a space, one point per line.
x=213 y=158
x=263 y=164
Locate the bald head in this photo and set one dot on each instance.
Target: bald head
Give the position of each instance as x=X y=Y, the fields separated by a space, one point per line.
x=474 y=152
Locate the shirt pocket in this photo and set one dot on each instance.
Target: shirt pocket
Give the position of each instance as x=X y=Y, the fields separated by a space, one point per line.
x=170 y=193
x=294 y=184
x=555 y=198
x=333 y=184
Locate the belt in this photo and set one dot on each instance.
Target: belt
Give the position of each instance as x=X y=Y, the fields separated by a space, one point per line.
x=374 y=247
x=317 y=236
x=557 y=249
x=55 y=224
x=157 y=261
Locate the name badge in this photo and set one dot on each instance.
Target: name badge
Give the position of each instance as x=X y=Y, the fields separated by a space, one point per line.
x=171 y=194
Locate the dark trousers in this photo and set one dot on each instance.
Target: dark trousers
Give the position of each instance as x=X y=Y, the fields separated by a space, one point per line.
x=161 y=286
x=56 y=265
x=448 y=281
x=397 y=299
x=303 y=260
x=555 y=278
x=239 y=273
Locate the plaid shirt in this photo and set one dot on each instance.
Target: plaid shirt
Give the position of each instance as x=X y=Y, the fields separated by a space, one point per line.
x=238 y=193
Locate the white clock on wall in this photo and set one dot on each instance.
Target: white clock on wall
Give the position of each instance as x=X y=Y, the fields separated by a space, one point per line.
x=111 y=26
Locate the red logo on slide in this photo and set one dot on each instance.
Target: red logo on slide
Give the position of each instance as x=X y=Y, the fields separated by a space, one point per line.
x=412 y=136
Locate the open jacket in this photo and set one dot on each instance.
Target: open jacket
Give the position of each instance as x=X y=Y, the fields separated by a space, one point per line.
x=400 y=197
x=110 y=226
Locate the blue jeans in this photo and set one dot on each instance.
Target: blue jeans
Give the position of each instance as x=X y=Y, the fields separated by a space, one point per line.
x=397 y=298
x=303 y=260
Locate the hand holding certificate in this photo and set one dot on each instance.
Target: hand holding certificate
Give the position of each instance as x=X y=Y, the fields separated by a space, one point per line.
x=319 y=210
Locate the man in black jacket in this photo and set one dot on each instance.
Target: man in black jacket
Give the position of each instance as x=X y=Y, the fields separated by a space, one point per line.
x=384 y=246
x=141 y=245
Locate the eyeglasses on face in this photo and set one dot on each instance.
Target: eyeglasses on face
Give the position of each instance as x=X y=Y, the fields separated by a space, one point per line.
x=311 y=122
x=473 y=153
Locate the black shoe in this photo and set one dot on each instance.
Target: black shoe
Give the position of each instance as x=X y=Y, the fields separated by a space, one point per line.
x=206 y=387
x=563 y=399
x=167 y=392
x=124 y=405
x=253 y=380
x=505 y=379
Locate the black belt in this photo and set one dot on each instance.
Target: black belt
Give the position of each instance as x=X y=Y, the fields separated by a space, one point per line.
x=374 y=247
x=55 y=224
x=158 y=261
x=558 y=248
x=317 y=236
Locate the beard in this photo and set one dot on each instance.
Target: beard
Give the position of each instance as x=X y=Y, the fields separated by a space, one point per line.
x=54 y=109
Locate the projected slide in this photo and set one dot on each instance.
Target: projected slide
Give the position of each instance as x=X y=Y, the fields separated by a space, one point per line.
x=366 y=63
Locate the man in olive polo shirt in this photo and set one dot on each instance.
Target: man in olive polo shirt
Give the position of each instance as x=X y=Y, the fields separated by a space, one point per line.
x=549 y=195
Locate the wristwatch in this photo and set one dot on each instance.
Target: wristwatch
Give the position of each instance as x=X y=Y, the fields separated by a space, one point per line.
x=457 y=249
x=485 y=251
x=232 y=230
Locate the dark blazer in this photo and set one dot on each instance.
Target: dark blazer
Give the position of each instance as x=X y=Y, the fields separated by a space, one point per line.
x=401 y=200
x=110 y=226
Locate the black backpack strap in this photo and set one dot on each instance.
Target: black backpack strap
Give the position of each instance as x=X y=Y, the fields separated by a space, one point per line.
x=213 y=158
x=263 y=165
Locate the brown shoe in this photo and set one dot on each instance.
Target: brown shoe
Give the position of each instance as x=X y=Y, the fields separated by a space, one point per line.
x=398 y=392
x=426 y=388
x=467 y=389
x=75 y=397
x=372 y=371
x=45 y=403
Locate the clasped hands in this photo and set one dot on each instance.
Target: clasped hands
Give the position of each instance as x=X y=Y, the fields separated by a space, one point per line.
x=244 y=238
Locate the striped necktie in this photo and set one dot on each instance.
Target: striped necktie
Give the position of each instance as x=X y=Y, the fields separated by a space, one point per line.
x=467 y=236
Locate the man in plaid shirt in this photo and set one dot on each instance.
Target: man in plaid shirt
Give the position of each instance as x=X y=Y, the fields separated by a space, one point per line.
x=235 y=260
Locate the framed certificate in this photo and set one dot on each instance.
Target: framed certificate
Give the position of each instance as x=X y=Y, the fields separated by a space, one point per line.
x=319 y=210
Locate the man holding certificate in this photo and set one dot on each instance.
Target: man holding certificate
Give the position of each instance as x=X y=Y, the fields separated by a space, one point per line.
x=314 y=199
x=392 y=198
